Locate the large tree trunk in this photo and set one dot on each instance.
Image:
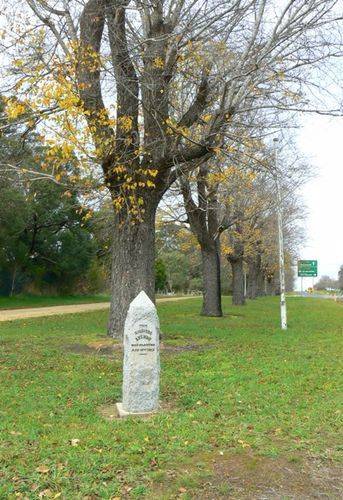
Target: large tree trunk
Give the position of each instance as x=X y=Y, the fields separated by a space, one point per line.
x=256 y=283
x=261 y=287
x=238 y=298
x=212 y=304
x=270 y=286
x=133 y=266
x=253 y=279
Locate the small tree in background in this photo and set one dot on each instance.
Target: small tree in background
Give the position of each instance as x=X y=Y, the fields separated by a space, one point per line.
x=160 y=275
x=326 y=283
x=180 y=253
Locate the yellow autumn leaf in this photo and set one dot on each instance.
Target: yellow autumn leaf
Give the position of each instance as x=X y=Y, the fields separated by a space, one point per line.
x=158 y=63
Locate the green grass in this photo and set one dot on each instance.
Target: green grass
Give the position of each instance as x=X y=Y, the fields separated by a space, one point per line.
x=21 y=301
x=254 y=388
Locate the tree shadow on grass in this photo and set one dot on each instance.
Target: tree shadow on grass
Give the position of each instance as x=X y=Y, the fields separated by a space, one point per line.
x=250 y=477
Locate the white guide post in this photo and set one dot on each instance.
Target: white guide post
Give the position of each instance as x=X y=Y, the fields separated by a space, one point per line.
x=283 y=307
x=141 y=370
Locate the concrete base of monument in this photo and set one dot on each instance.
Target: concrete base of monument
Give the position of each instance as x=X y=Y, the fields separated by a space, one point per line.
x=123 y=414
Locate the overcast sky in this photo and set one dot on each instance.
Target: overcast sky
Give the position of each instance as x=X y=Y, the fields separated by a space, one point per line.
x=321 y=140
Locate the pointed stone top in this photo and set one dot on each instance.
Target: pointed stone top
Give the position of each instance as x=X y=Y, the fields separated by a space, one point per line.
x=142 y=301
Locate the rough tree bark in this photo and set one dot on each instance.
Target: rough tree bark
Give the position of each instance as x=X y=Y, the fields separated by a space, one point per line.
x=261 y=286
x=210 y=260
x=133 y=265
x=270 y=285
x=238 y=298
x=236 y=259
x=254 y=276
x=252 y=283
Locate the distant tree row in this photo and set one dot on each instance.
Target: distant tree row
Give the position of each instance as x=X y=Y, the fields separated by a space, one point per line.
x=50 y=241
x=327 y=283
x=340 y=278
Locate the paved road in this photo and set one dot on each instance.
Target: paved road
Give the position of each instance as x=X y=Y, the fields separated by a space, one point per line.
x=36 y=312
x=318 y=296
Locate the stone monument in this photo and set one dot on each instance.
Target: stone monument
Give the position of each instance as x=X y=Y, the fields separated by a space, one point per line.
x=141 y=369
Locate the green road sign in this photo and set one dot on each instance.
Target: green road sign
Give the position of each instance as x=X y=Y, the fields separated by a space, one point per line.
x=307 y=268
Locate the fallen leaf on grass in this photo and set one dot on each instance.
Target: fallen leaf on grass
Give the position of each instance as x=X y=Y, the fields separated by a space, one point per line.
x=243 y=443
x=43 y=469
x=46 y=493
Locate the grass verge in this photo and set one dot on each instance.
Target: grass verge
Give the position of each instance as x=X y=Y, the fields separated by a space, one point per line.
x=249 y=390
x=26 y=301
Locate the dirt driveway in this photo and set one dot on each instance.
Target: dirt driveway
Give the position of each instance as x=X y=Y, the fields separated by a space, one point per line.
x=36 y=312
